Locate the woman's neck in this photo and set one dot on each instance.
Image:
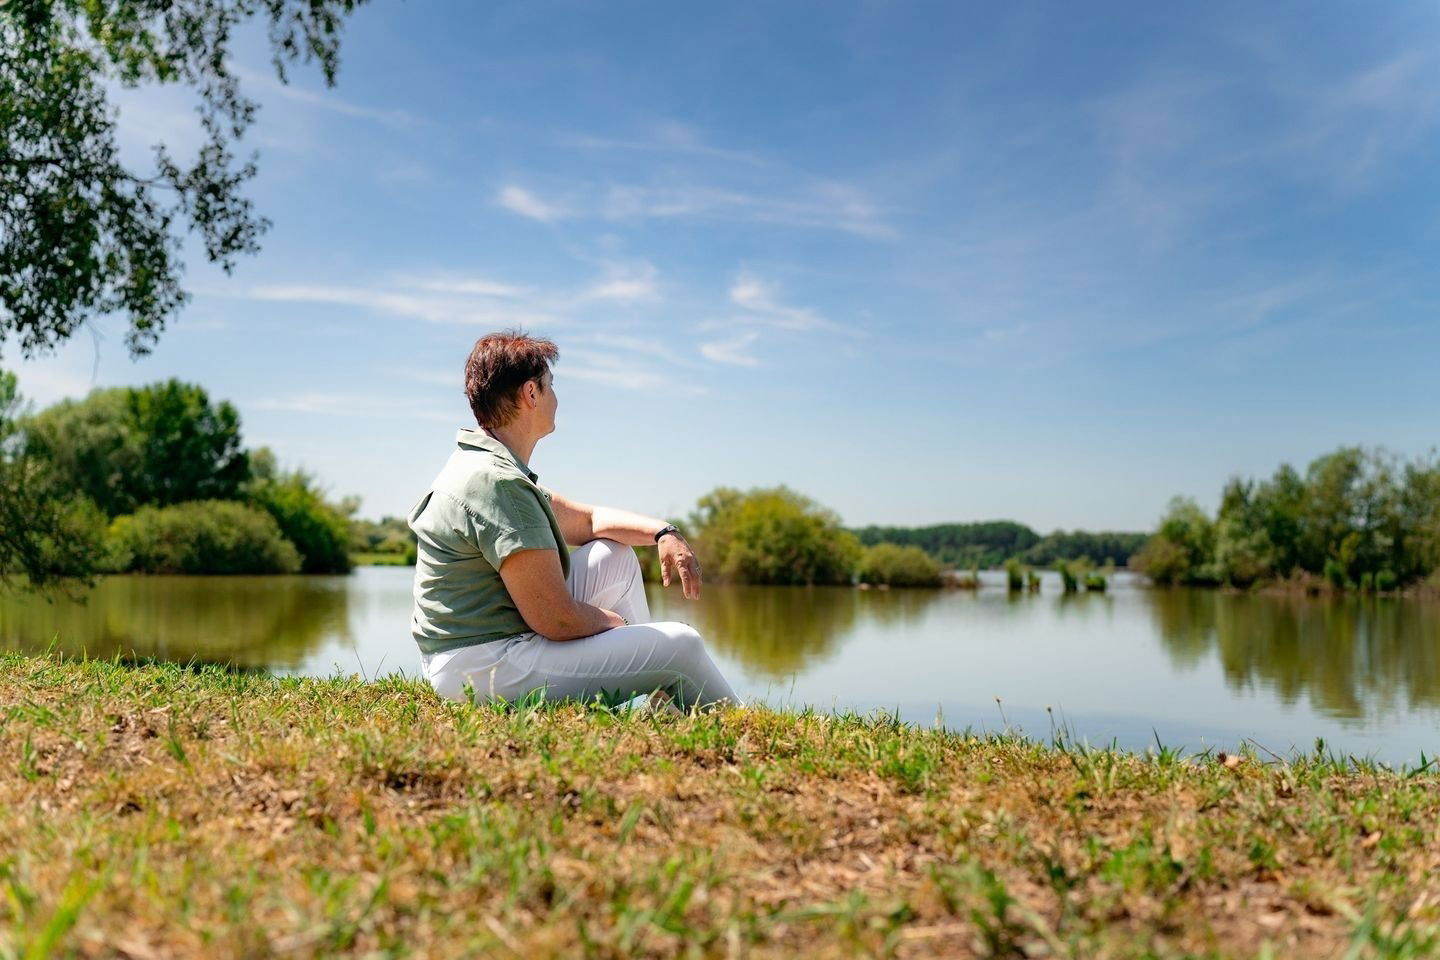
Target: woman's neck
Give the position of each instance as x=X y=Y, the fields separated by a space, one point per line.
x=518 y=440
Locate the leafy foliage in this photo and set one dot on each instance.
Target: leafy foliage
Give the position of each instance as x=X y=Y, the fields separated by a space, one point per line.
x=82 y=234
x=317 y=528
x=128 y=447
x=207 y=536
x=897 y=566
x=772 y=536
x=1355 y=517
x=43 y=537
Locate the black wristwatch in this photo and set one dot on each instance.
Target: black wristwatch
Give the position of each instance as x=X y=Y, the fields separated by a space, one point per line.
x=668 y=528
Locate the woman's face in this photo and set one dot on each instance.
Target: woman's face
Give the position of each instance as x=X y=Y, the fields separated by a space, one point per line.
x=549 y=403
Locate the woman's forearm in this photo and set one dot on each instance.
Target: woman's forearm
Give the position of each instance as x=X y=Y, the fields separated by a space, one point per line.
x=622 y=526
x=581 y=620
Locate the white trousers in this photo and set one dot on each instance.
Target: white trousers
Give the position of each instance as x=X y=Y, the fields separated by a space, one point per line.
x=614 y=666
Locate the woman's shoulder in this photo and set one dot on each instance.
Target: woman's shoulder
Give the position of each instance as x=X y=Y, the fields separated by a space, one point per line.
x=485 y=484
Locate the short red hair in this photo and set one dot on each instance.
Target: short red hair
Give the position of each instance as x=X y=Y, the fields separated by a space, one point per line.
x=498 y=367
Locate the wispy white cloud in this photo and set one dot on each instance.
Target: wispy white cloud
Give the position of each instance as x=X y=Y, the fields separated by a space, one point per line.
x=819 y=206
x=519 y=200
x=828 y=206
x=1162 y=140
x=666 y=137
x=1185 y=144
x=733 y=350
x=624 y=372
x=1348 y=129
x=625 y=282
x=631 y=345
x=440 y=297
x=432 y=377
x=758 y=298
x=366 y=405
x=469 y=286
x=419 y=305
x=261 y=85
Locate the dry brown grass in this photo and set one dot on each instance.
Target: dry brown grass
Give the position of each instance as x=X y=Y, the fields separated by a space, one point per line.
x=157 y=812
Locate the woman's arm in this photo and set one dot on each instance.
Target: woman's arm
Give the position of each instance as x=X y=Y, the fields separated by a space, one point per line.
x=534 y=581
x=581 y=523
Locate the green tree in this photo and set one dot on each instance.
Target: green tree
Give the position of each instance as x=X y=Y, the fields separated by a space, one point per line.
x=128 y=447
x=1333 y=514
x=1243 y=553
x=1281 y=505
x=82 y=234
x=1182 y=550
x=772 y=536
x=1418 y=519
x=45 y=535
x=319 y=529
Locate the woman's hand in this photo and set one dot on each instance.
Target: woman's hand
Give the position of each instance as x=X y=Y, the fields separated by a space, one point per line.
x=676 y=556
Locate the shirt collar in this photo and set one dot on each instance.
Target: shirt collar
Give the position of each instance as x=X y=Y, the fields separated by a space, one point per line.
x=480 y=440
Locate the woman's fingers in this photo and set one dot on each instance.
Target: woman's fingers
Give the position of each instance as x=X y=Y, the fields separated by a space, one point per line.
x=689 y=569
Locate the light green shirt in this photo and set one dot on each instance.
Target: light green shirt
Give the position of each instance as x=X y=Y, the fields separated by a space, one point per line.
x=484 y=506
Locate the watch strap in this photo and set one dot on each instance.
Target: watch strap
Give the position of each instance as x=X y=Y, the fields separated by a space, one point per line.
x=668 y=528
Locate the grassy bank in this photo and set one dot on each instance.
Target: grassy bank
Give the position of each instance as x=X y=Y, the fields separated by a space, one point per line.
x=159 y=811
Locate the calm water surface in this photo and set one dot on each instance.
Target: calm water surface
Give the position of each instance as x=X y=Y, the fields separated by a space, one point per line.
x=1194 y=668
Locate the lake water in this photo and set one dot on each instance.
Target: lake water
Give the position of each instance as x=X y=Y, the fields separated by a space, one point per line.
x=1194 y=668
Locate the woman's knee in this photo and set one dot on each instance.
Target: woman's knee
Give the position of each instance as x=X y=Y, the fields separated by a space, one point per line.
x=682 y=637
x=604 y=551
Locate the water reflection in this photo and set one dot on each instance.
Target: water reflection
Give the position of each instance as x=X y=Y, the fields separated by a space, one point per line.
x=1355 y=657
x=777 y=632
x=774 y=631
x=272 y=622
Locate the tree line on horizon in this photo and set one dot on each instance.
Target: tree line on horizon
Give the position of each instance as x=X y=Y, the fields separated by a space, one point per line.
x=1355 y=519
x=993 y=543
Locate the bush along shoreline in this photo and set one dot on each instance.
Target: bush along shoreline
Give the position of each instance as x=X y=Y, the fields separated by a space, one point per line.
x=155 y=810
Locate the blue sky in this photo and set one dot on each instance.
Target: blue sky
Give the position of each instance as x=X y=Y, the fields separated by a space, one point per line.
x=923 y=262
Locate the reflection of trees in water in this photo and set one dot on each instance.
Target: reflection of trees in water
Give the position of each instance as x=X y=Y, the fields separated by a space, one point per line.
x=245 y=621
x=897 y=608
x=1083 y=605
x=775 y=631
x=1186 y=620
x=1353 y=656
x=781 y=631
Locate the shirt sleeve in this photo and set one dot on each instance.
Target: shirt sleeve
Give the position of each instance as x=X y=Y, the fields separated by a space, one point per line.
x=517 y=522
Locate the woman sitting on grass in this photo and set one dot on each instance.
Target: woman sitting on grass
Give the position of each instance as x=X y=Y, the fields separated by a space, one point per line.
x=502 y=609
